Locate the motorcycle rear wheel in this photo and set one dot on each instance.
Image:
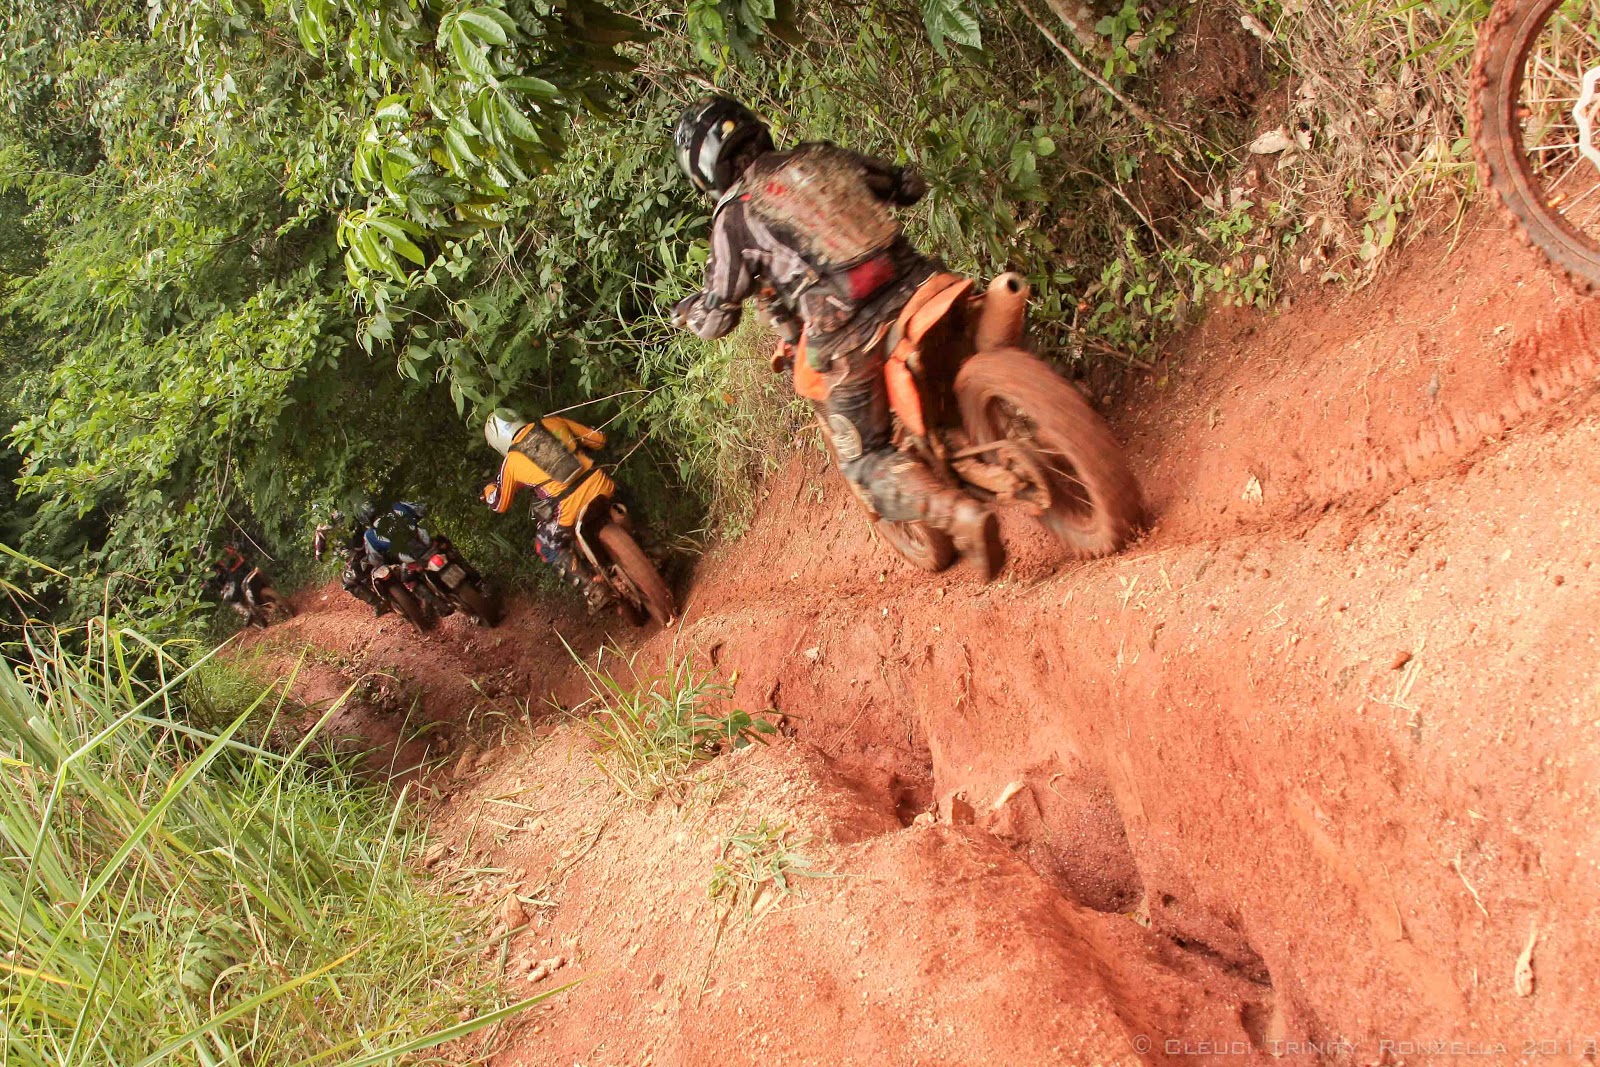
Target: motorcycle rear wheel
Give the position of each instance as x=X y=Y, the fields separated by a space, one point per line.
x=1527 y=76
x=478 y=604
x=408 y=605
x=1094 y=506
x=273 y=604
x=636 y=566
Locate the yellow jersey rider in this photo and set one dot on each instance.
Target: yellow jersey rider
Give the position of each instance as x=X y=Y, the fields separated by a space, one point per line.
x=551 y=457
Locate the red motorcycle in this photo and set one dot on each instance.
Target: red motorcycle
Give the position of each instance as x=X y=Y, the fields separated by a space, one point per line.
x=254 y=598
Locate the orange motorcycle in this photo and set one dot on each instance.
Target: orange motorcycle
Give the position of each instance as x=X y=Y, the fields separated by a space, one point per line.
x=994 y=421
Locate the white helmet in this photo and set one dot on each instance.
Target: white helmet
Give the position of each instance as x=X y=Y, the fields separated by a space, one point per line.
x=501 y=430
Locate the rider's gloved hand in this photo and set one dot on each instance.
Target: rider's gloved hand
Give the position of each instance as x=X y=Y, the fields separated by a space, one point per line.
x=910 y=188
x=681 y=310
x=782 y=357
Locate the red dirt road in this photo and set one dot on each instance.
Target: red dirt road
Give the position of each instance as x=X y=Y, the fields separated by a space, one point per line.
x=1306 y=772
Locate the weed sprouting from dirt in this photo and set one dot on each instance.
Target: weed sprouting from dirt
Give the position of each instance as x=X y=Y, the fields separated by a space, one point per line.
x=756 y=867
x=653 y=728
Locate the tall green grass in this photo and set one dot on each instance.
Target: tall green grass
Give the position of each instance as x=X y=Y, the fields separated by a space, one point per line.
x=171 y=896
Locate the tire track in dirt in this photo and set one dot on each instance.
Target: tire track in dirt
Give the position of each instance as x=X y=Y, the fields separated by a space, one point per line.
x=1557 y=362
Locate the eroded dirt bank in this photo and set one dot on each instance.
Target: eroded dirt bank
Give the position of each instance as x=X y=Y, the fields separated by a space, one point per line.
x=1305 y=772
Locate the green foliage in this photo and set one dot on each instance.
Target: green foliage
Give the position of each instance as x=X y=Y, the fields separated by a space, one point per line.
x=261 y=255
x=176 y=896
x=652 y=729
x=187 y=371
x=1135 y=36
x=756 y=865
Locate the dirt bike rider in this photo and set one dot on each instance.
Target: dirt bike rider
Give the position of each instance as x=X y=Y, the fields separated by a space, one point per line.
x=396 y=535
x=808 y=234
x=357 y=574
x=227 y=576
x=553 y=458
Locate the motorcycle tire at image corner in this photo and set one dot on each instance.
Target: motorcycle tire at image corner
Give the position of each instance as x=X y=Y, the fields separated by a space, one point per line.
x=1506 y=41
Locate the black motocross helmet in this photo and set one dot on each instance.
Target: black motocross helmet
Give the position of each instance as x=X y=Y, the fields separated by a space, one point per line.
x=712 y=136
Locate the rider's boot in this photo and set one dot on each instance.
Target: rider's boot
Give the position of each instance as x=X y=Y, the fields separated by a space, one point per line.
x=973 y=528
x=900 y=487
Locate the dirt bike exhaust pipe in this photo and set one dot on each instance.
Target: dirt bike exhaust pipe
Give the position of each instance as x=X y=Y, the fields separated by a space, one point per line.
x=1005 y=306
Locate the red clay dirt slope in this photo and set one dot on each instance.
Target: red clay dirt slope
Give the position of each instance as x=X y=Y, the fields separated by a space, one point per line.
x=1309 y=772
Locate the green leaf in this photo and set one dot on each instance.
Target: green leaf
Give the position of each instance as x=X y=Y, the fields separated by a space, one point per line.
x=481 y=26
x=951 y=20
x=516 y=122
x=469 y=55
x=532 y=86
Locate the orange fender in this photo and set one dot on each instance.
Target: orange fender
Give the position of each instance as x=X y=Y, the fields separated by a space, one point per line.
x=808 y=381
x=904 y=399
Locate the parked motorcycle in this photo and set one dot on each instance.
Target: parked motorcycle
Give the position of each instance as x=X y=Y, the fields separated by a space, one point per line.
x=607 y=549
x=1535 y=105
x=994 y=421
x=256 y=600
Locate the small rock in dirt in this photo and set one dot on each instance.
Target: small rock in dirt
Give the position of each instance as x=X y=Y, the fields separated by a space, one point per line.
x=1559 y=580
x=1400 y=660
x=926 y=818
x=1523 y=977
x=1256 y=28
x=538 y=974
x=1271 y=143
x=656 y=980
x=1007 y=793
x=438 y=852
x=1252 y=491
x=813 y=653
x=554 y=963
x=961 y=813
x=469 y=756
x=511 y=913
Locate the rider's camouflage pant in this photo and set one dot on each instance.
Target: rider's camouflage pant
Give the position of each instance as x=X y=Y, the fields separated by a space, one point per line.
x=856 y=415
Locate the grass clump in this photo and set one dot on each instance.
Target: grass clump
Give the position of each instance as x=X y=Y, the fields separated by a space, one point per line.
x=756 y=866
x=173 y=896
x=653 y=728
